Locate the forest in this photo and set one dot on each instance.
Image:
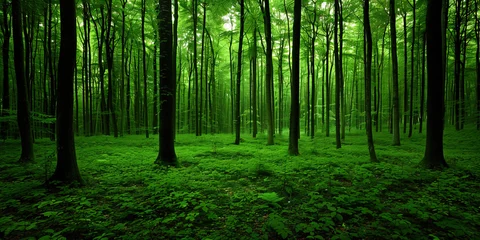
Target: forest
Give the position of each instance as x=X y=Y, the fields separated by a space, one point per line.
x=240 y=119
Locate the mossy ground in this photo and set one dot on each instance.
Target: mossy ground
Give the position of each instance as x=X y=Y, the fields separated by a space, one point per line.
x=250 y=191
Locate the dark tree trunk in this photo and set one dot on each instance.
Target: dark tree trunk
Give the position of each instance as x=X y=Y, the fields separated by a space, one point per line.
x=457 y=47
x=327 y=82
x=239 y=73
x=412 y=51
x=110 y=46
x=51 y=70
x=122 y=77
x=396 y=107
x=67 y=168
x=338 y=83
x=405 y=81
x=166 y=152
x=368 y=82
x=434 y=157
x=269 y=72
x=155 y=88
x=144 y=61
x=23 y=106
x=195 y=20
x=477 y=61
x=5 y=54
x=254 y=83
x=128 y=92
x=422 y=87
x=295 y=82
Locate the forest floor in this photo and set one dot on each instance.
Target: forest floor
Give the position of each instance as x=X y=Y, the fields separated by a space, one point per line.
x=250 y=191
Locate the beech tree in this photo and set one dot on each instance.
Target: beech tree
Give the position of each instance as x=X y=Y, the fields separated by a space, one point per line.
x=67 y=169
x=166 y=139
x=295 y=85
x=434 y=157
x=23 y=104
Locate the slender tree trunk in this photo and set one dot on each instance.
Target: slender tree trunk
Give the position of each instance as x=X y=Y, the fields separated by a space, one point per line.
x=166 y=152
x=327 y=82
x=122 y=79
x=434 y=157
x=368 y=83
x=110 y=46
x=155 y=88
x=23 y=106
x=477 y=61
x=5 y=54
x=412 y=51
x=396 y=108
x=239 y=73
x=269 y=101
x=254 y=83
x=457 y=47
x=422 y=87
x=67 y=168
x=405 y=81
x=144 y=55
x=128 y=92
x=295 y=82
x=338 y=83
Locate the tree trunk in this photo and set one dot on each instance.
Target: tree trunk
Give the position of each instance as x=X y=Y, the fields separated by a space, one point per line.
x=368 y=83
x=434 y=157
x=239 y=73
x=405 y=81
x=396 y=108
x=254 y=83
x=269 y=101
x=166 y=152
x=6 y=82
x=295 y=82
x=67 y=168
x=422 y=87
x=412 y=51
x=144 y=55
x=338 y=83
x=477 y=61
x=128 y=92
x=23 y=106
x=110 y=46
x=457 y=47
x=122 y=67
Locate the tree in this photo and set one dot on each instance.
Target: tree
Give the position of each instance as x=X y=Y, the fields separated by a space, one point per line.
x=144 y=58
x=67 y=168
x=396 y=107
x=338 y=73
x=239 y=73
x=269 y=71
x=166 y=139
x=5 y=27
x=434 y=157
x=368 y=80
x=295 y=83
x=23 y=105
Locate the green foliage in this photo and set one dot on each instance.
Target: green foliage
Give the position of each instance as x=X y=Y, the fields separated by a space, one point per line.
x=250 y=191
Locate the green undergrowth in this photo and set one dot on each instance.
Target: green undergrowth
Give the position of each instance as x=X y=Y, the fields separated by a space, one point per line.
x=250 y=191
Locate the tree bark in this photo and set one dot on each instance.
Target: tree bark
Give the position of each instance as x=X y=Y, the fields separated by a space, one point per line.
x=434 y=157
x=295 y=82
x=110 y=46
x=396 y=107
x=23 y=105
x=6 y=81
x=368 y=82
x=338 y=83
x=166 y=152
x=239 y=73
x=67 y=169
x=269 y=101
